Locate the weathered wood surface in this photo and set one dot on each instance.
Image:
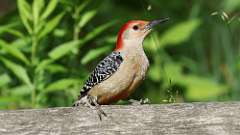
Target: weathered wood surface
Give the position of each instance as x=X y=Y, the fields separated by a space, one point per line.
x=190 y=119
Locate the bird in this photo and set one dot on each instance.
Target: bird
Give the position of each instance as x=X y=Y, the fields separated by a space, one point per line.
x=119 y=74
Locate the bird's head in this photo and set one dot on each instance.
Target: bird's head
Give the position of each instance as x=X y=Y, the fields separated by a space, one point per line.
x=135 y=31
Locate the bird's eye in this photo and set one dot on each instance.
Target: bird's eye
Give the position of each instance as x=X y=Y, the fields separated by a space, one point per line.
x=135 y=27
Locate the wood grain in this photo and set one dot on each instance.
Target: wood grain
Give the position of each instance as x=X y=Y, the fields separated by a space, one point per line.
x=178 y=119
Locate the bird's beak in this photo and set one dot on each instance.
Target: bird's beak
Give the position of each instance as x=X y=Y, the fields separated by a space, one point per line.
x=153 y=23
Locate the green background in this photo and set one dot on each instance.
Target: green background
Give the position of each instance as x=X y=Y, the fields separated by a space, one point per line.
x=49 y=47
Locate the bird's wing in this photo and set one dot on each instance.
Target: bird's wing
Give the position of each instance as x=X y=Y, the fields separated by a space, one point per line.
x=105 y=68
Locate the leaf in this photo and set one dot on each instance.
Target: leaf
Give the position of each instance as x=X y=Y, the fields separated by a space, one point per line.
x=42 y=65
x=14 y=51
x=98 y=31
x=22 y=90
x=82 y=6
x=51 y=25
x=18 y=71
x=24 y=9
x=202 y=88
x=15 y=33
x=62 y=84
x=37 y=7
x=52 y=68
x=5 y=79
x=86 y=17
x=21 y=43
x=25 y=13
x=107 y=40
x=56 y=68
x=59 y=33
x=198 y=88
x=179 y=33
x=92 y=54
x=63 y=49
x=39 y=27
x=6 y=27
x=50 y=8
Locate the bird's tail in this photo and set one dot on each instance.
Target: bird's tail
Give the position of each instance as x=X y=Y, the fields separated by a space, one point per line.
x=81 y=99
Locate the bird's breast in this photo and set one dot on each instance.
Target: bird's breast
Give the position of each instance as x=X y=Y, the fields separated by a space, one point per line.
x=124 y=81
x=140 y=61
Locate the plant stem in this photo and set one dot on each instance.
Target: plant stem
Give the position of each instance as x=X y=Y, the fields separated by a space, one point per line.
x=34 y=50
x=76 y=32
x=33 y=97
x=34 y=37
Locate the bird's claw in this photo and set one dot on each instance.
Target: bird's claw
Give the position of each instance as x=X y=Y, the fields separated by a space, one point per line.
x=91 y=102
x=98 y=108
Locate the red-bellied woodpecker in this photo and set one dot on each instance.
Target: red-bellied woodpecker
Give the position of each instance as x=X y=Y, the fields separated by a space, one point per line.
x=121 y=72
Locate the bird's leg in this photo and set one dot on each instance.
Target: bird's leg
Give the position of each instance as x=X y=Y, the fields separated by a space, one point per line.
x=97 y=107
x=91 y=102
x=139 y=102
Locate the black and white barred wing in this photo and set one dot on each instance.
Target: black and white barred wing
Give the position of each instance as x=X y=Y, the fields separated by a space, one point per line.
x=108 y=66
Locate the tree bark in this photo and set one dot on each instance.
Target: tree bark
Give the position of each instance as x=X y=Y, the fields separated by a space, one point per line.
x=178 y=119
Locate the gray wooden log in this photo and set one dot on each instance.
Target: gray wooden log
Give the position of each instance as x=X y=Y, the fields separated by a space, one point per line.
x=185 y=118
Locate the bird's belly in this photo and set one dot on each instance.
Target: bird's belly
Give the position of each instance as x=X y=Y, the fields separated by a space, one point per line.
x=121 y=84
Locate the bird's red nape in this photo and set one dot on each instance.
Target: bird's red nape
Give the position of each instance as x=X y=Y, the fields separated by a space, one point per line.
x=119 y=44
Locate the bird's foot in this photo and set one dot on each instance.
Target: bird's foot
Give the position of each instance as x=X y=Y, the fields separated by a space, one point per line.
x=96 y=106
x=91 y=102
x=139 y=102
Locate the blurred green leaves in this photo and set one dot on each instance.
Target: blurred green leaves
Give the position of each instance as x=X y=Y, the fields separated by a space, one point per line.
x=50 y=25
x=5 y=79
x=7 y=27
x=86 y=18
x=198 y=88
x=14 y=51
x=34 y=68
x=48 y=47
x=179 y=33
x=62 y=84
x=63 y=49
x=93 y=54
x=49 y=9
x=25 y=13
x=18 y=70
x=203 y=88
x=231 y=5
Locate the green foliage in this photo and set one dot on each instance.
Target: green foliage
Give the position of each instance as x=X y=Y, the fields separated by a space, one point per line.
x=197 y=87
x=18 y=70
x=202 y=88
x=41 y=75
x=50 y=25
x=14 y=52
x=63 y=49
x=179 y=33
x=62 y=84
x=5 y=80
x=93 y=54
x=25 y=13
x=48 y=47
